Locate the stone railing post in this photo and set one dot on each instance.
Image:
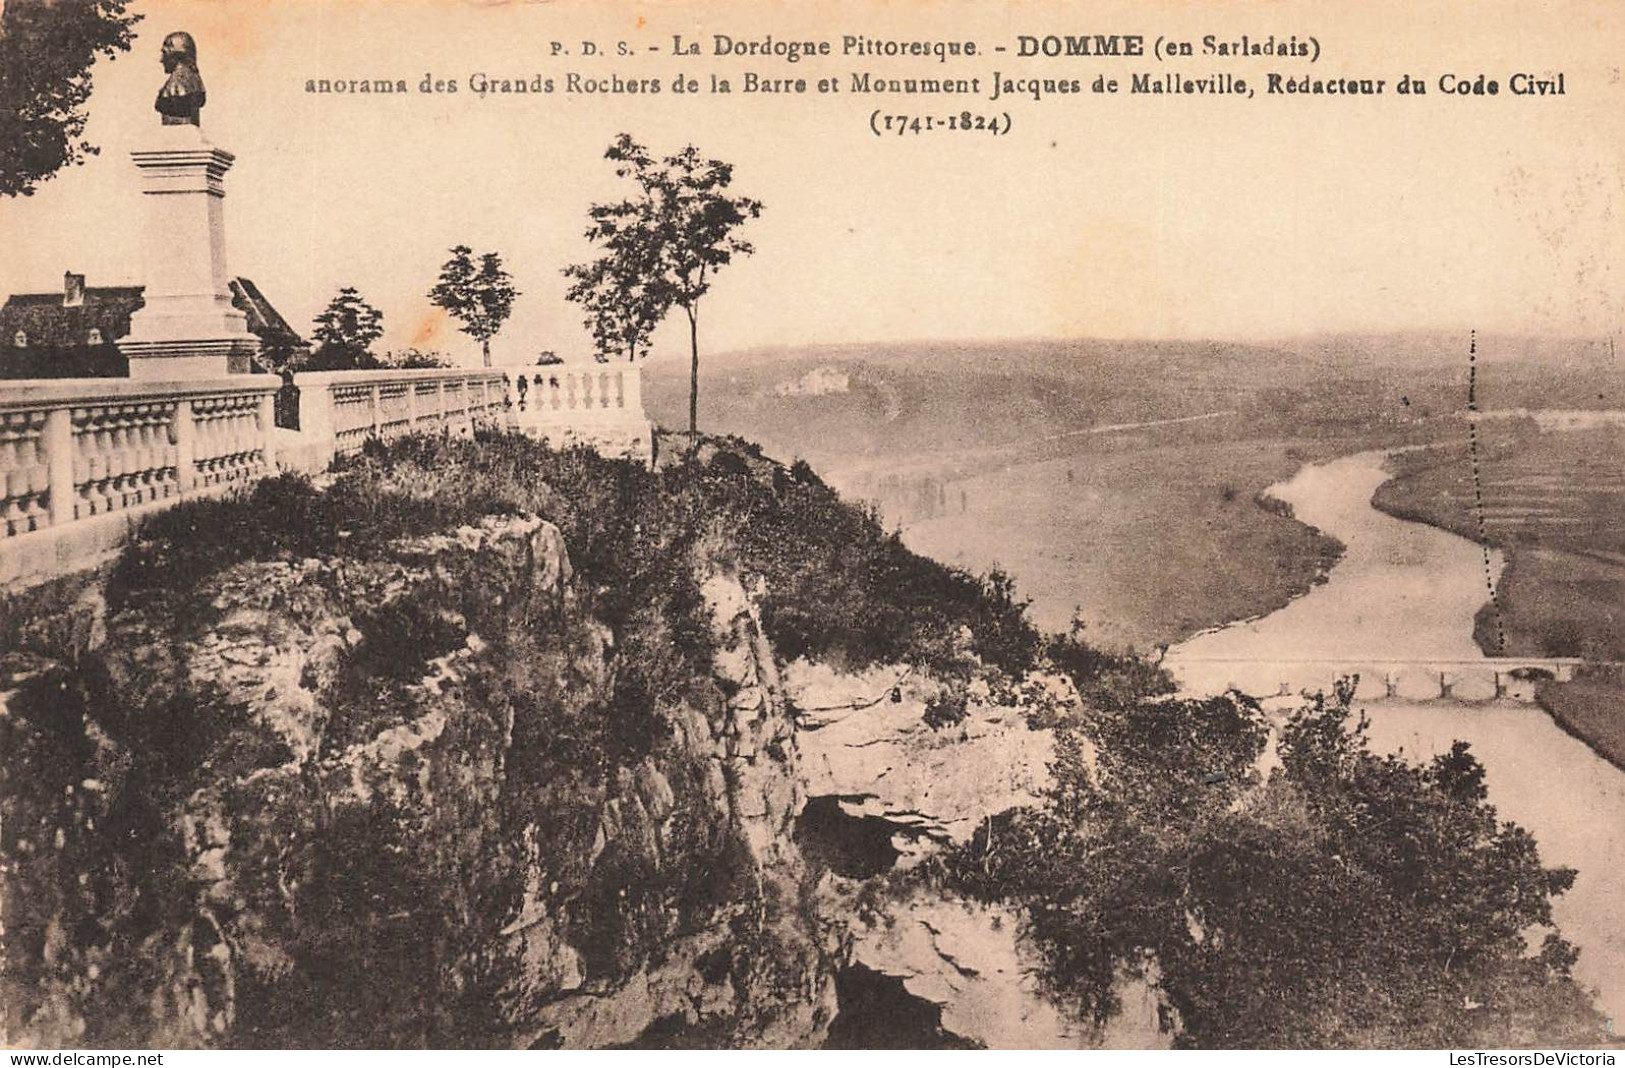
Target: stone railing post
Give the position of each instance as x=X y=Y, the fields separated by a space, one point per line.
x=317 y=441
x=375 y=404
x=58 y=439
x=184 y=430
x=268 y=430
x=632 y=378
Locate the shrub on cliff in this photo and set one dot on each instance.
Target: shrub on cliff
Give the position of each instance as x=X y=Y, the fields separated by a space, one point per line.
x=1351 y=900
x=839 y=586
x=835 y=582
x=1105 y=679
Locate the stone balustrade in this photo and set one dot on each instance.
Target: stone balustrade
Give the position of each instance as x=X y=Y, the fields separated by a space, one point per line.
x=82 y=459
x=599 y=405
x=340 y=410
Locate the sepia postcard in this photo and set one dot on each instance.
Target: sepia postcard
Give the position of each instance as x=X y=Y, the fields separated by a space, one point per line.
x=812 y=524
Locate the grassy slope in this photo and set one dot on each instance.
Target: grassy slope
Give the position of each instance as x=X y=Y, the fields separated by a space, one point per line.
x=839 y=585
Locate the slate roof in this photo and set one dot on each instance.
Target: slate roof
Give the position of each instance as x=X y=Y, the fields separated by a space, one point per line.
x=58 y=333
x=51 y=324
x=263 y=319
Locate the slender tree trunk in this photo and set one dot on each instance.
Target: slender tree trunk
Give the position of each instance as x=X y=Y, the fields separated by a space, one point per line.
x=693 y=374
x=485 y=350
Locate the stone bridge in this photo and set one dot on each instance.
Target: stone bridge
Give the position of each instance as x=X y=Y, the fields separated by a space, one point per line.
x=1398 y=678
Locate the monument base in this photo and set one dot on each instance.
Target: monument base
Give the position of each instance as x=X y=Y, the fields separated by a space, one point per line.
x=186 y=326
x=191 y=358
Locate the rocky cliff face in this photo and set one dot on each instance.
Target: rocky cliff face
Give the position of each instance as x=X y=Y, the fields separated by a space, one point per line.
x=400 y=801
x=885 y=791
x=865 y=740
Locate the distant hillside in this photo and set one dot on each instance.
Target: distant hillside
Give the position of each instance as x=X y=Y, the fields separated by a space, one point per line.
x=1032 y=456
x=845 y=401
x=1450 y=349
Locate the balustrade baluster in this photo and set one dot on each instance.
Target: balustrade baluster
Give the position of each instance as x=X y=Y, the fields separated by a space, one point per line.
x=130 y=447
x=16 y=489
x=86 y=470
x=203 y=422
x=229 y=422
x=39 y=488
x=115 y=458
x=140 y=455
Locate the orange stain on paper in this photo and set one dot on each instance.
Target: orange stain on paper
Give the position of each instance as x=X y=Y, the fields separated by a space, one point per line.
x=429 y=327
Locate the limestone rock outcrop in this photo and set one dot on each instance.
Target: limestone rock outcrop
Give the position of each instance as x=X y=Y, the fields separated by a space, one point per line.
x=391 y=799
x=865 y=740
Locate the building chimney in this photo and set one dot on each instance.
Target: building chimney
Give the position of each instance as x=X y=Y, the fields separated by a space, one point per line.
x=73 y=290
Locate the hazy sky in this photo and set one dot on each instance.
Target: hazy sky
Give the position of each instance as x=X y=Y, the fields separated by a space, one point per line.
x=1127 y=216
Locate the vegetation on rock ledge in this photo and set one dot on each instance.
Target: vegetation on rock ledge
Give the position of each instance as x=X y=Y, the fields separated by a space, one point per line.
x=1344 y=899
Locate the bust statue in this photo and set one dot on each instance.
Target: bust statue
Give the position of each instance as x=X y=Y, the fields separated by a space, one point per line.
x=182 y=96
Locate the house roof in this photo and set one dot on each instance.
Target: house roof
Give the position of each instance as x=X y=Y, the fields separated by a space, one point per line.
x=263 y=319
x=50 y=323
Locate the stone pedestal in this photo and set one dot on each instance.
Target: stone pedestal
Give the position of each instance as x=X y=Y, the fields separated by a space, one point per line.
x=187 y=327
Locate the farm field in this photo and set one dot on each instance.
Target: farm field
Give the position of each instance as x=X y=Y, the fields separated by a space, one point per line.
x=1554 y=502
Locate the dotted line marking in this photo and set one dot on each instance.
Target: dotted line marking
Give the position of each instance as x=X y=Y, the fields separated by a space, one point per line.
x=1478 y=485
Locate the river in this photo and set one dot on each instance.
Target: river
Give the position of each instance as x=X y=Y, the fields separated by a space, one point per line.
x=1409 y=591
